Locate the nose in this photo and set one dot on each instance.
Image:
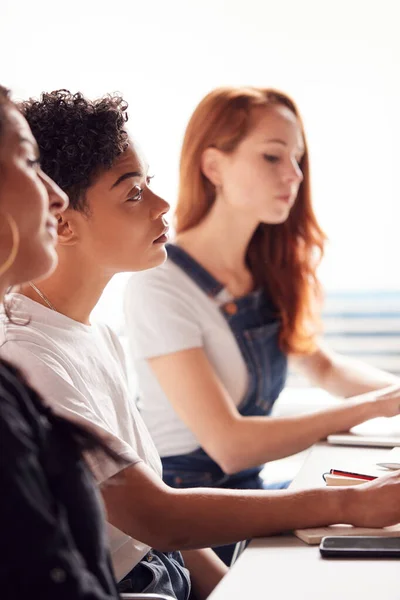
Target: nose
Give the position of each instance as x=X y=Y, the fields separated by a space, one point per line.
x=294 y=172
x=58 y=200
x=159 y=207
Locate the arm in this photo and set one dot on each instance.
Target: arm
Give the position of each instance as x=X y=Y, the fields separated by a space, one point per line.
x=341 y=375
x=201 y=401
x=34 y=532
x=206 y=571
x=142 y=506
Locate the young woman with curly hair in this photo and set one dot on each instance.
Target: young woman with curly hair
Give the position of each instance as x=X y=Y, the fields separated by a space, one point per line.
x=116 y=223
x=211 y=331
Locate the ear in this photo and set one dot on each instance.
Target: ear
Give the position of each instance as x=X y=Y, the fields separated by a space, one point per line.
x=211 y=165
x=68 y=227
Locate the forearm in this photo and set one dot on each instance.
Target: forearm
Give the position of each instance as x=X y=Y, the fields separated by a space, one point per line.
x=142 y=506
x=347 y=377
x=206 y=571
x=270 y=438
x=217 y=517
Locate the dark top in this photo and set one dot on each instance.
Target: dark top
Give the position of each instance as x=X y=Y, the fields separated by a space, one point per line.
x=52 y=537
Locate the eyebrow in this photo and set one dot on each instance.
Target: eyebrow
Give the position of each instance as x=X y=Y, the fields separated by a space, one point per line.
x=283 y=143
x=25 y=140
x=276 y=141
x=126 y=176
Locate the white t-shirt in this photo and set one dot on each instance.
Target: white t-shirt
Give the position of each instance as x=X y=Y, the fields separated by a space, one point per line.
x=79 y=370
x=166 y=311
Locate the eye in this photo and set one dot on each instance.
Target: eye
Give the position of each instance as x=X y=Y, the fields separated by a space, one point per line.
x=33 y=163
x=137 y=193
x=271 y=158
x=148 y=180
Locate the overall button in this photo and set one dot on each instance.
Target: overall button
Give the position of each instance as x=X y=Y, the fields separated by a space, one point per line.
x=149 y=557
x=230 y=308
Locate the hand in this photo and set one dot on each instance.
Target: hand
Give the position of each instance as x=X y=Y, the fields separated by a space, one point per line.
x=376 y=503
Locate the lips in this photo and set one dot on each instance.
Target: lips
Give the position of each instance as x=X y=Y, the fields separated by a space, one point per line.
x=163 y=237
x=284 y=198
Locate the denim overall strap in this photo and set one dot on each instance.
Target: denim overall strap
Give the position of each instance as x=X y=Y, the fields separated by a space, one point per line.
x=255 y=325
x=193 y=269
x=254 y=322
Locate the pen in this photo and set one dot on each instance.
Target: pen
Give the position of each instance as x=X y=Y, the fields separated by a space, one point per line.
x=352 y=475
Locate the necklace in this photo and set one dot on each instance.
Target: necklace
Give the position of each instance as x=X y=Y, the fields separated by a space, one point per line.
x=43 y=297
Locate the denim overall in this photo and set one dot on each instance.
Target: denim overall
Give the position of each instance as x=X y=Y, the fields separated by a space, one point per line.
x=255 y=325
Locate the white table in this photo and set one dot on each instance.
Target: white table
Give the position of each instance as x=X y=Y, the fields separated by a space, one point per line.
x=281 y=567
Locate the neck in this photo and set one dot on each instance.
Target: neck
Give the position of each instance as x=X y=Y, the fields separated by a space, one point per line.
x=73 y=290
x=221 y=240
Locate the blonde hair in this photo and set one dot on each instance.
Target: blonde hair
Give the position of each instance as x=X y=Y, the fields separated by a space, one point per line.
x=283 y=258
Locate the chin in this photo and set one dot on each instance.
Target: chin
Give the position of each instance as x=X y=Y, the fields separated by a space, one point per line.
x=44 y=274
x=275 y=219
x=282 y=219
x=39 y=267
x=150 y=260
x=160 y=254
x=158 y=258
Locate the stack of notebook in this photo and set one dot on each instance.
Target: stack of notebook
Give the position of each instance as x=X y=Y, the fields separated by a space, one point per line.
x=355 y=475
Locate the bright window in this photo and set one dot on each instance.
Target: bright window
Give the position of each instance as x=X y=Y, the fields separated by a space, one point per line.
x=339 y=60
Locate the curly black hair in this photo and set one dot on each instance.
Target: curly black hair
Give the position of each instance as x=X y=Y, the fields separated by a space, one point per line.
x=78 y=138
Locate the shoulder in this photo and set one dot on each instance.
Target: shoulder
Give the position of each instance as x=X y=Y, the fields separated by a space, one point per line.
x=24 y=322
x=35 y=338
x=12 y=382
x=16 y=410
x=37 y=361
x=110 y=339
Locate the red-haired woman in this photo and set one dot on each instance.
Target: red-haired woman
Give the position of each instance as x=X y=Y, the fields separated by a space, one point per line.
x=211 y=330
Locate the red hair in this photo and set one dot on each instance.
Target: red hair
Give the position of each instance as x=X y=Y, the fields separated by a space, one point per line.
x=282 y=258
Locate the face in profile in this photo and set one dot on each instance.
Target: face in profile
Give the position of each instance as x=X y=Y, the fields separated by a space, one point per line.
x=262 y=176
x=125 y=228
x=30 y=200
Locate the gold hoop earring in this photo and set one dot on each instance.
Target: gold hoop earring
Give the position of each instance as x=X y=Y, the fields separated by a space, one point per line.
x=15 y=245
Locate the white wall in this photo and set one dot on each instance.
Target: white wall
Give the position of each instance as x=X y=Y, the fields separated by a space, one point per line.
x=340 y=60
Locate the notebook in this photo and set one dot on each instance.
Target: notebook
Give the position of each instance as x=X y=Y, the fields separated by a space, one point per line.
x=379 y=432
x=391 y=460
x=340 y=480
x=355 y=473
